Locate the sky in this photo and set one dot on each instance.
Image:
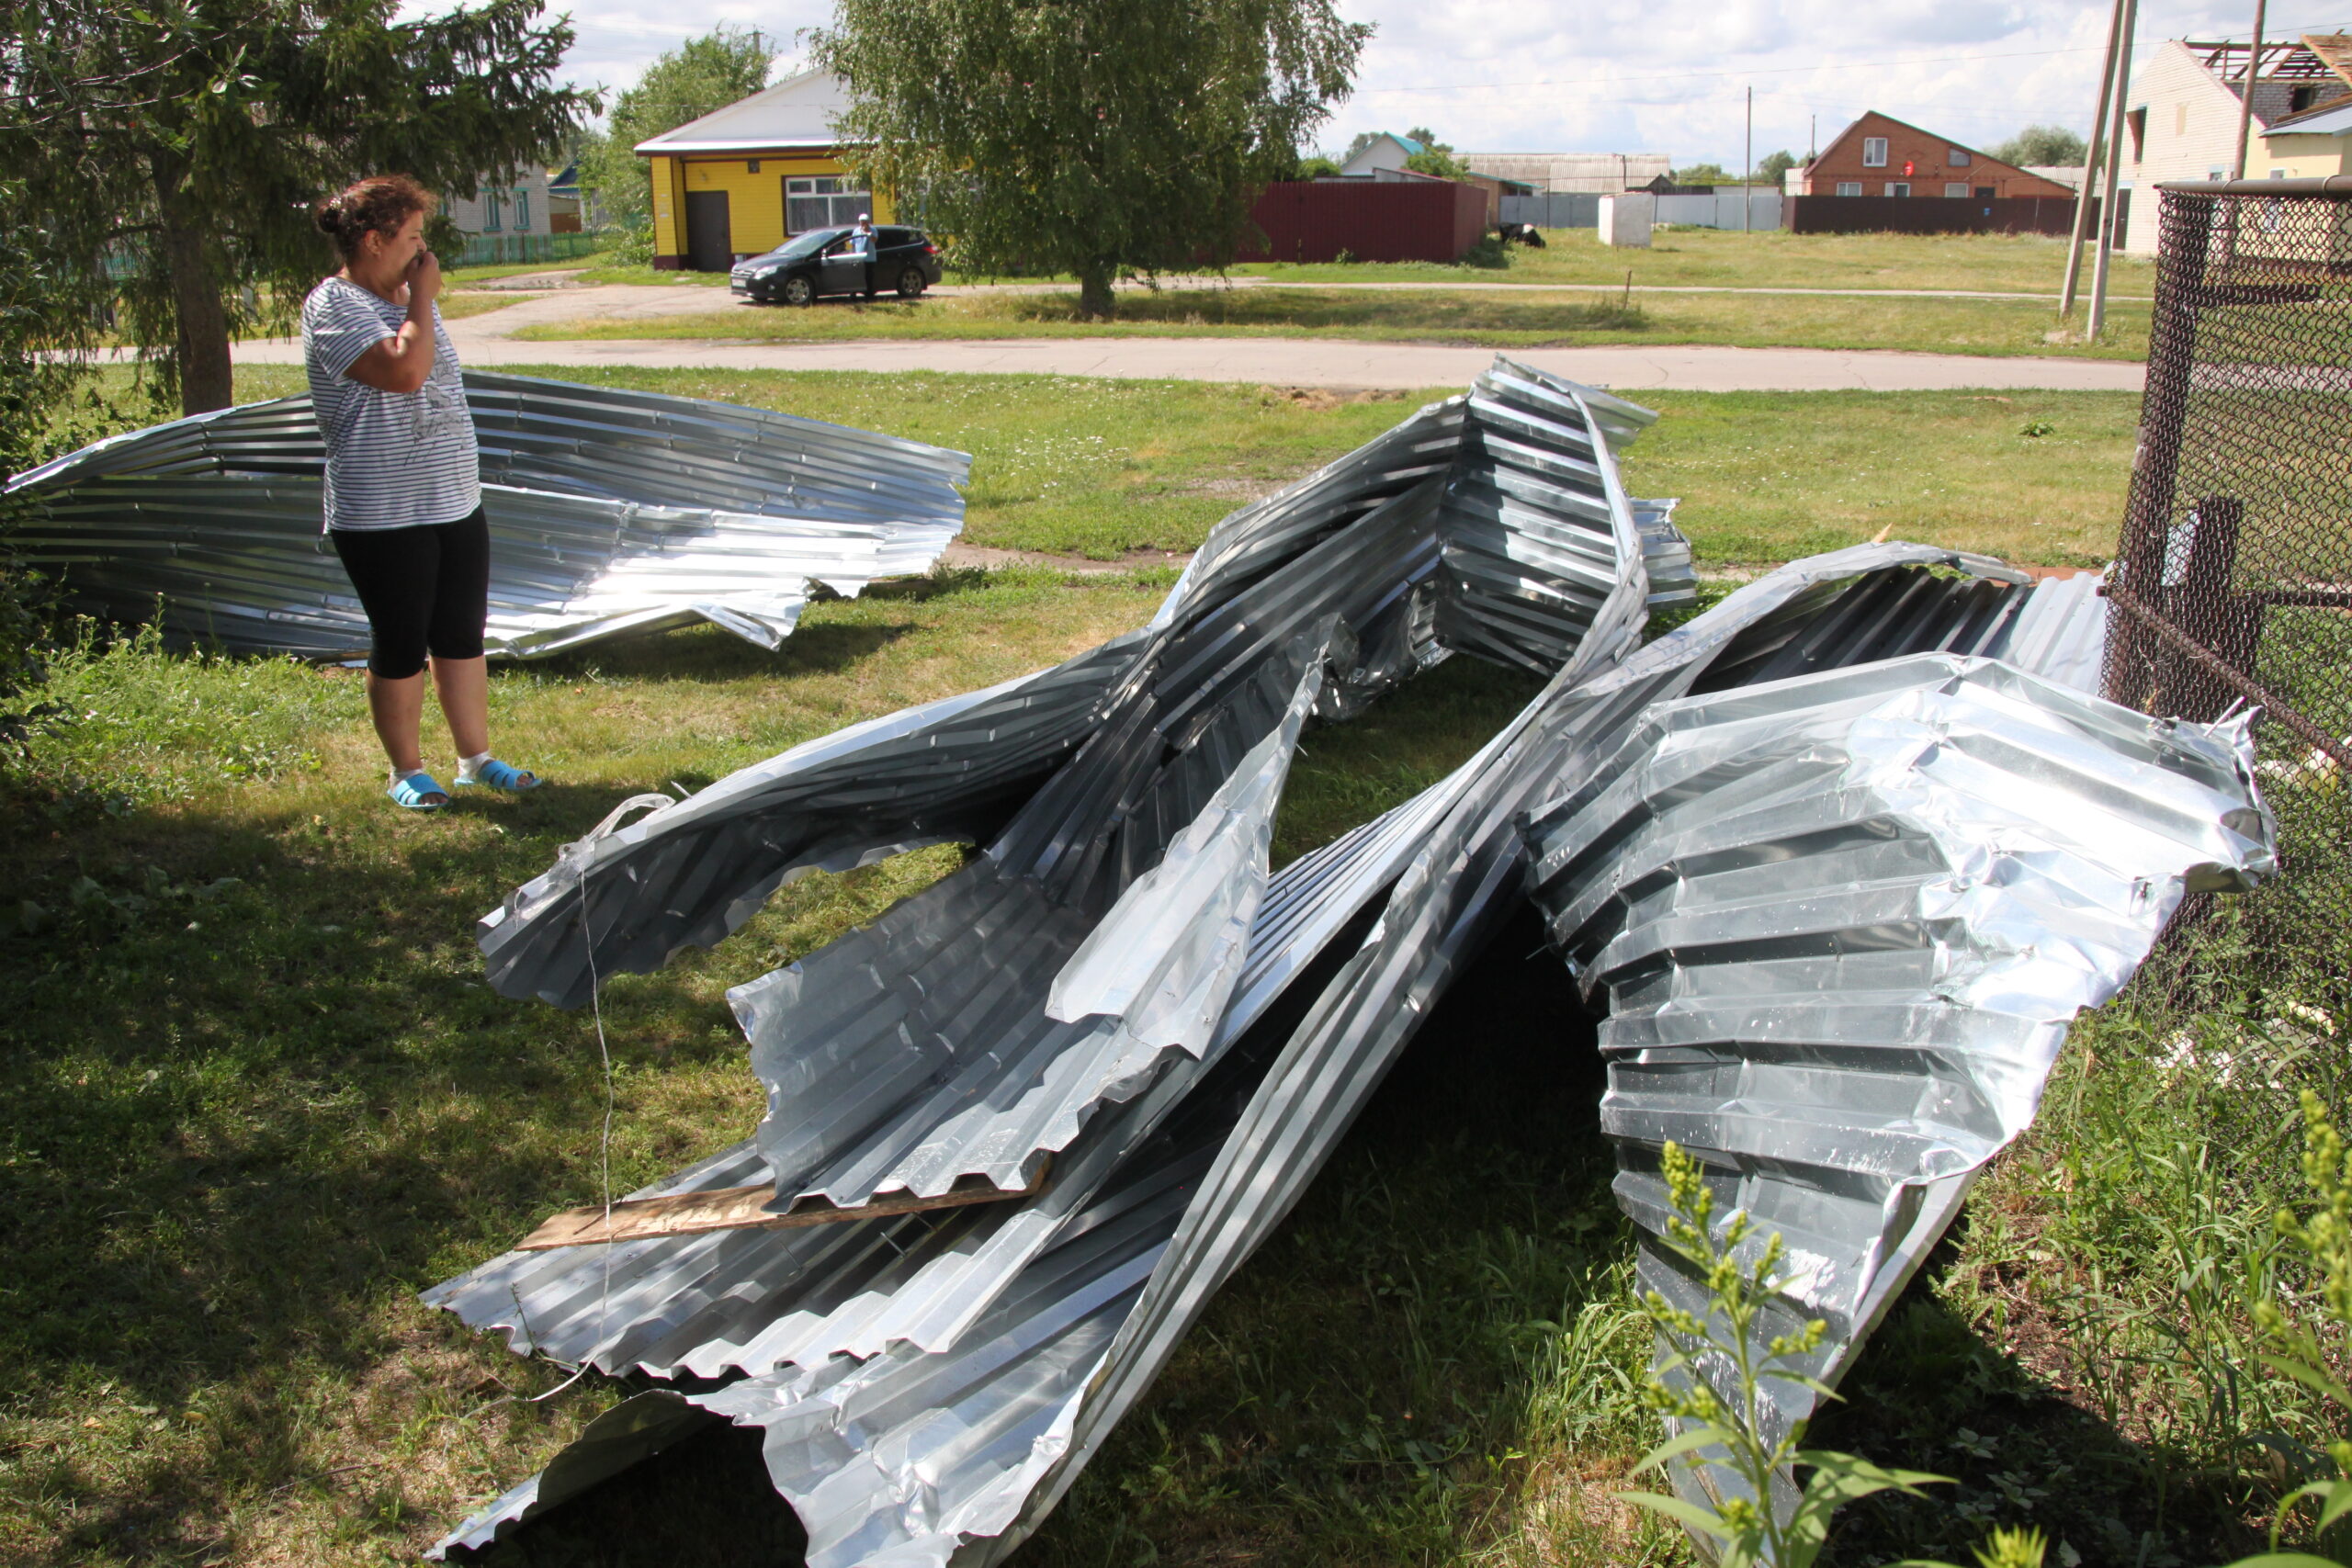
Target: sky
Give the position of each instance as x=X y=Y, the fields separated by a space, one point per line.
x=1635 y=75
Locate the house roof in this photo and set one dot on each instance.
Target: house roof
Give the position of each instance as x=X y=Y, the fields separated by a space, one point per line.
x=797 y=112
x=1839 y=140
x=2330 y=118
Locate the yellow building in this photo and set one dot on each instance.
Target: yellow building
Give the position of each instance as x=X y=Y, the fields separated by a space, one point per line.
x=741 y=180
x=2311 y=145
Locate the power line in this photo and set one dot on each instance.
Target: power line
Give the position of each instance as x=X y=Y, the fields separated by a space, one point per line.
x=1766 y=71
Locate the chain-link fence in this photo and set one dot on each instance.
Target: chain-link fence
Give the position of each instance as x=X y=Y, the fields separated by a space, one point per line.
x=2234 y=580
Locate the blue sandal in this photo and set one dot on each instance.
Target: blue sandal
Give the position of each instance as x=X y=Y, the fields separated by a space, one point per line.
x=500 y=776
x=415 y=792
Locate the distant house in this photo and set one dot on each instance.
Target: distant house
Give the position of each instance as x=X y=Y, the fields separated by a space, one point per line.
x=565 y=210
x=1589 y=174
x=1880 y=155
x=522 y=204
x=2184 y=109
x=1386 y=151
x=741 y=180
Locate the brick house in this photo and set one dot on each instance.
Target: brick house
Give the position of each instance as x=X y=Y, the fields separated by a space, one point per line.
x=1880 y=155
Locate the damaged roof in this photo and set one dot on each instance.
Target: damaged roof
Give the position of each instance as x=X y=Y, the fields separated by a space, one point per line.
x=1837 y=859
x=611 y=511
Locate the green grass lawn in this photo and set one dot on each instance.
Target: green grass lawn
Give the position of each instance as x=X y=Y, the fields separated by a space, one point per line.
x=259 y=1096
x=2023 y=264
x=1438 y=315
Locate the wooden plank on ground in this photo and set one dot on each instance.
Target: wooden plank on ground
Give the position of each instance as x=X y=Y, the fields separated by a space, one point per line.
x=746 y=1208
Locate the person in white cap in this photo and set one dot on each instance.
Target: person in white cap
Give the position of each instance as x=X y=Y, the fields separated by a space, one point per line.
x=862 y=242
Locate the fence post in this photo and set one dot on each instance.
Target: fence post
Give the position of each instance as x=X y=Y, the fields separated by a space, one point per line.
x=2155 y=461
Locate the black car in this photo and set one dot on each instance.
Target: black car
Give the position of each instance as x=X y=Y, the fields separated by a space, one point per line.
x=820 y=262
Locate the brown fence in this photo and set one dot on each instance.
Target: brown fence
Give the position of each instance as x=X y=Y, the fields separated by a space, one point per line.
x=2234 y=584
x=1315 y=220
x=1933 y=215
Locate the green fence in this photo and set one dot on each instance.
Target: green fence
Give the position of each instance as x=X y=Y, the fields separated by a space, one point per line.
x=507 y=250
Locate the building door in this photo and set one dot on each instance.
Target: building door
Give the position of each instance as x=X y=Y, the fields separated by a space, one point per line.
x=709 y=244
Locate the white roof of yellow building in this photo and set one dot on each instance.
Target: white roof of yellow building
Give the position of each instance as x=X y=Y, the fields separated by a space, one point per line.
x=797 y=112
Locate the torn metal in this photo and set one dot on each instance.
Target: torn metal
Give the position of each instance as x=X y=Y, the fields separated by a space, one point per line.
x=611 y=512
x=1118 y=985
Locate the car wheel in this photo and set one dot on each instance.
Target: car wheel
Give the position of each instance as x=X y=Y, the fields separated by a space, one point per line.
x=911 y=282
x=798 y=290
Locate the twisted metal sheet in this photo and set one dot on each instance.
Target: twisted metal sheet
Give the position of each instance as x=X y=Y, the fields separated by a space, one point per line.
x=1314 y=599
x=612 y=512
x=931 y=1404
x=1843 y=922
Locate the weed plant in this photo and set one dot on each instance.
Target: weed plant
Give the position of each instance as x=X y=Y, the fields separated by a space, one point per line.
x=2084 y=1355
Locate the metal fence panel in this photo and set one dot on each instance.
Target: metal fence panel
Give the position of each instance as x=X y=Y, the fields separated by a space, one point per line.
x=2234 y=580
x=1554 y=210
x=1721 y=209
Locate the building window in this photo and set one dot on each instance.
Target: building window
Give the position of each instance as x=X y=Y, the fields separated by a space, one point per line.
x=1955 y=188
x=822 y=201
x=522 y=211
x=1849 y=187
x=2278 y=174
x=1984 y=193
x=1956 y=157
x=1898 y=187
x=2300 y=98
x=752 y=166
x=491 y=204
x=1874 y=151
x=2180 y=119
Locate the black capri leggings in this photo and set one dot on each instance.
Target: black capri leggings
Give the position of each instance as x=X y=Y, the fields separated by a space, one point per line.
x=425 y=589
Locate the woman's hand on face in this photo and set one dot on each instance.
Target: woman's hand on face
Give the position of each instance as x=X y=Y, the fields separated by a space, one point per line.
x=424 y=278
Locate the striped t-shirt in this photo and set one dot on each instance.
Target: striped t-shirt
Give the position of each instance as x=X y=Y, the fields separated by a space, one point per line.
x=395 y=459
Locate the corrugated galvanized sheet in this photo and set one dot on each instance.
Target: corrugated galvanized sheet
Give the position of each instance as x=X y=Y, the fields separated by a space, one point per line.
x=611 y=512
x=1345 y=563
x=929 y=1385
x=1843 y=922
x=1285 y=1127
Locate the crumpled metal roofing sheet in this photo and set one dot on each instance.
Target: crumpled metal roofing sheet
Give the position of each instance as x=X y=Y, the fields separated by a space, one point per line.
x=935 y=1404
x=1296 y=1116
x=1235 y=650
x=1844 y=921
x=611 y=512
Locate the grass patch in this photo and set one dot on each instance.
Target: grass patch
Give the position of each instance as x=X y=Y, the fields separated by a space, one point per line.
x=1773 y=258
x=618 y=273
x=1530 y=320
x=456 y=306
x=1769 y=476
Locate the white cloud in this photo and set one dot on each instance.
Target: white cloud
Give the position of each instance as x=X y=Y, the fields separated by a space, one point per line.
x=1622 y=76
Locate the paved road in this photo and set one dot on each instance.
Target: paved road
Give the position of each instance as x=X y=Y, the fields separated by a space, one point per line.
x=1298 y=362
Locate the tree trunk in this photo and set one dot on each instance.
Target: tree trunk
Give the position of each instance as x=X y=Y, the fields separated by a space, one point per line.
x=203 y=343
x=1094 y=301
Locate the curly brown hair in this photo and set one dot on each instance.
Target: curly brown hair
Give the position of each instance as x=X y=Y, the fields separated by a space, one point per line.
x=376 y=205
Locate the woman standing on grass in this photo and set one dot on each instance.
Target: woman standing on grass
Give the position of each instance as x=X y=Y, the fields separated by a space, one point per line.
x=404 y=485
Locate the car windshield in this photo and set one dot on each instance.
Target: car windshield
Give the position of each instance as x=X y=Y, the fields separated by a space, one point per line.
x=808 y=245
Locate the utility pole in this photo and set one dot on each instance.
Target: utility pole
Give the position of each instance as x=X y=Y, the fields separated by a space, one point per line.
x=2092 y=160
x=2114 y=167
x=2246 y=93
x=1747 y=194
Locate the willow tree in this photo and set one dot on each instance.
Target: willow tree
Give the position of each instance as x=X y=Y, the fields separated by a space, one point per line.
x=1102 y=138
x=176 y=145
